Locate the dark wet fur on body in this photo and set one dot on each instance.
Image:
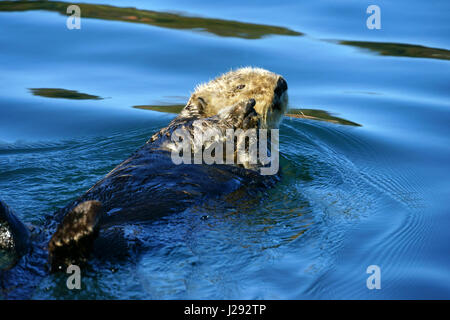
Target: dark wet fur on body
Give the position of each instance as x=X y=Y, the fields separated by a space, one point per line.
x=143 y=188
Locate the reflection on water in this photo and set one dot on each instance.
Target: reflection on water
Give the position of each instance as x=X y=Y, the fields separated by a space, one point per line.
x=176 y=108
x=320 y=115
x=218 y=27
x=62 y=94
x=400 y=50
x=364 y=163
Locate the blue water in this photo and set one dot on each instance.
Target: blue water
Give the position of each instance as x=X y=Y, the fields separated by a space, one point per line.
x=350 y=197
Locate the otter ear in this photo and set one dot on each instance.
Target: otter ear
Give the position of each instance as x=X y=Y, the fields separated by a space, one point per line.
x=196 y=107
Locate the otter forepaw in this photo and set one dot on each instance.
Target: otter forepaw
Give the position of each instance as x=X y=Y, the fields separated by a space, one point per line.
x=73 y=240
x=243 y=115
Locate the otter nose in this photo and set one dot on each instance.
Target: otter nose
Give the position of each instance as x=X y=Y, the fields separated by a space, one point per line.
x=281 y=86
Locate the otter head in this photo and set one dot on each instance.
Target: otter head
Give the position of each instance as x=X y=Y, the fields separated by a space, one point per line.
x=268 y=89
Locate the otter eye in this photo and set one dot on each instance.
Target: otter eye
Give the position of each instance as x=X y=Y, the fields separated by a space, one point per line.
x=241 y=86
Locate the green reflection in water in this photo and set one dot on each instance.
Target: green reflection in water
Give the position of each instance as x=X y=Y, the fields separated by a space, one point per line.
x=62 y=94
x=176 y=108
x=321 y=115
x=401 y=50
x=223 y=28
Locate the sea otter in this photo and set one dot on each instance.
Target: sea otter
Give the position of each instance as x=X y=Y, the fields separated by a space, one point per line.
x=148 y=185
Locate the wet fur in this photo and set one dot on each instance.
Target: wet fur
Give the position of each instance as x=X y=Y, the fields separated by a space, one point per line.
x=148 y=185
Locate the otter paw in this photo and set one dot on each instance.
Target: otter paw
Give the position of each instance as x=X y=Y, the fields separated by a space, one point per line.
x=73 y=240
x=243 y=115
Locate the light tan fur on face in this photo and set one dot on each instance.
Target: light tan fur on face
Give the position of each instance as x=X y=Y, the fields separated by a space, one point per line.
x=241 y=85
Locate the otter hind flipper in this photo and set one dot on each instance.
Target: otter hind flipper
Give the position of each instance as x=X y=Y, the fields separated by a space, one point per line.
x=14 y=237
x=73 y=240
